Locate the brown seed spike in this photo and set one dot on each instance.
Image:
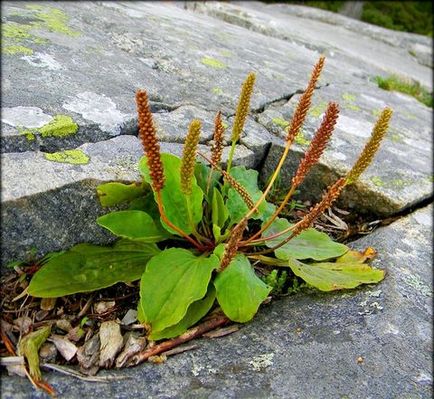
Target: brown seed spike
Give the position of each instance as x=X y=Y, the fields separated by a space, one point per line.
x=232 y=245
x=305 y=102
x=371 y=147
x=217 y=148
x=328 y=198
x=318 y=143
x=189 y=156
x=148 y=136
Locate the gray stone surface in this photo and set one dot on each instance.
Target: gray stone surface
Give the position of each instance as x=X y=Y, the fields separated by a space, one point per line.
x=307 y=345
x=331 y=33
x=401 y=174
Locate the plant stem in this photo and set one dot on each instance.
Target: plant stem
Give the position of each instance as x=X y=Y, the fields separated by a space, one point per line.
x=273 y=217
x=231 y=156
x=172 y=226
x=266 y=260
x=171 y=343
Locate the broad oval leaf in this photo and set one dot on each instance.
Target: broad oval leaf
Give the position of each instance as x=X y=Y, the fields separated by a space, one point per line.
x=329 y=276
x=195 y=312
x=172 y=281
x=115 y=193
x=87 y=267
x=133 y=224
x=309 y=244
x=237 y=208
x=239 y=290
x=184 y=211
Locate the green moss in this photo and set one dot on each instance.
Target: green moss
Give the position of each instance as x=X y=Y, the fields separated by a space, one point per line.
x=16 y=49
x=280 y=122
x=74 y=157
x=377 y=181
x=60 y=126
x=213 y=63
x=16 y=37
x=53 y=19
x=396 y=138
x=29 y=134
x=217 y=90
x=318 y=109
x=412 y=88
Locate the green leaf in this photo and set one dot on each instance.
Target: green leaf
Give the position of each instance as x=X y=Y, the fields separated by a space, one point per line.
x=219 y=211
x=195 y=312
x=216 y=231
x=184 y=211
x=87 y=267
x=237 y=208
x=115 y=193
x=172 y=281
x=239 y=290
x=310 y=243
x=135 y=225
x=329 y=276
x=202 y=173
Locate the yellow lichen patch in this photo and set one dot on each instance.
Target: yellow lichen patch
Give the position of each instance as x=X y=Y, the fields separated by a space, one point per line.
x=17 y=49
x=74 y=157
x=349 y=100
x=29 y=134
x=280 y=122
x=213 y=63
x=60 y=126
x=301 y=139
x=317 y=110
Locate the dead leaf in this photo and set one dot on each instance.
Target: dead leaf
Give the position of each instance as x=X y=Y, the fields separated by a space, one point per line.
x=221 y=332
x=133 y=345
x=111 y=342
x=41 y=315
x=64 y=325
x=88 y=356
x=65 y=347
x=75 y=334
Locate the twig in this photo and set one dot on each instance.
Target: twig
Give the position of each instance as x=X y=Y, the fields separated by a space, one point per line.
x=12 y=361
x=187 y=336
x=69 y=371
x=180 y=349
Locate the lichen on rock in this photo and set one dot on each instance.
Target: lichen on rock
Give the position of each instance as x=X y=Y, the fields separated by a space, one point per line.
x=74 y=157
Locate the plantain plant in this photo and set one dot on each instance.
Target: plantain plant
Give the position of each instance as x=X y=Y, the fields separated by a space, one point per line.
x=192 y=231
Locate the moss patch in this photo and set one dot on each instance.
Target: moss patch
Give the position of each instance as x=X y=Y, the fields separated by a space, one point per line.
x=377 y=181
x=217 y=90
x=29 y=134
x=301 y=139
x=213 y=63
x=412 y=88
x=349 y=100
x=74 y=157
x=60 y=126
x=17 y=37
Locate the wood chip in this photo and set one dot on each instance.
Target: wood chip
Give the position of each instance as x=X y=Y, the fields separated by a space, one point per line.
x=102 y=307
x=12 y=361
x=111 y=343
x=158 y=359
x=130 y=317
x=75 y=334
x=41 y=315
x=65 y=347
x=88 y=356
x=133 y=345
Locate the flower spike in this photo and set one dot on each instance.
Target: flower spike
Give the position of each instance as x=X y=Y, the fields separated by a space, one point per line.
x=217 y=147
x=148 y=136
x=371 y=147
x=189 y=156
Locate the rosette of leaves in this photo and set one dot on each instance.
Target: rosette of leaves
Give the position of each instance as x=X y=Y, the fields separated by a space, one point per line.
x=191 y=231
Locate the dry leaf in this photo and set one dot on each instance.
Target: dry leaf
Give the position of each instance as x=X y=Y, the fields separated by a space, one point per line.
x=48 y=303
x=111 y=342
x=23 y=324
x=48 y=352
x=65 y=347
x=130 y=317
x=64 y=325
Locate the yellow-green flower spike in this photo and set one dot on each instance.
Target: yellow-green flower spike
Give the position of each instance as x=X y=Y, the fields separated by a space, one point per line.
x=189 y=156
x=371 y=147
